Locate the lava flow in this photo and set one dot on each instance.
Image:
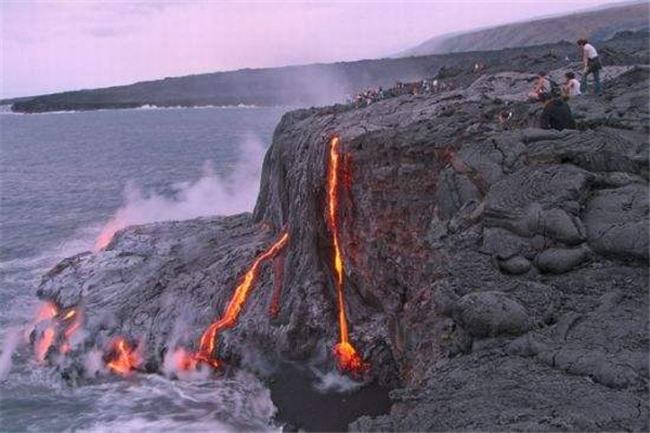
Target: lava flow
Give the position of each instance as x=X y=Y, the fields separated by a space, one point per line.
x=207 y=343
x=125 y=357
x=107 y=233
x=71 y=322
x=44 y=343
x=71 y=329
x=347 y=356
x=47 y=312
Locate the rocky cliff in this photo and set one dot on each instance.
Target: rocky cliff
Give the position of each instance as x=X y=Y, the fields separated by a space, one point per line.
x=496 y=275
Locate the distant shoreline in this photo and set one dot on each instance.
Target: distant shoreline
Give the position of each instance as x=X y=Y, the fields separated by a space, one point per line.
x=5 y=109
x=311 y=85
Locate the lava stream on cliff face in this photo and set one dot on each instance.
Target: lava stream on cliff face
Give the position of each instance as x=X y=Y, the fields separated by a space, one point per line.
x=207 y=343
x=347 y=357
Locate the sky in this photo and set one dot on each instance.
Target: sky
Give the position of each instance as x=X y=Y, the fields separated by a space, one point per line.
x=50 y=46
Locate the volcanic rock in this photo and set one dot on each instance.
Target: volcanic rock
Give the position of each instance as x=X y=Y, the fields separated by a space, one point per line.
x=488 y=314
x=496 y=275
x=617 y=221
x=559 y=260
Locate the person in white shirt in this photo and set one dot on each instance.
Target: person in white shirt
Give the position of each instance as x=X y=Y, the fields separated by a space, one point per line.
x=541 y=88
x=591 y=63
x=571 y=87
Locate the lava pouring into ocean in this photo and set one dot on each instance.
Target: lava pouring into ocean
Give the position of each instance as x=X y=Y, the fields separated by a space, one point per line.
x=44 y=343
x=106 y=236
x=70 y=322
x=125 y=358
x=48 y=311
x=207 y=343
x=347 y=357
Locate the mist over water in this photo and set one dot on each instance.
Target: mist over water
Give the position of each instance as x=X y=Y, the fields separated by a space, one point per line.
x=65 y=178
x=211 y=194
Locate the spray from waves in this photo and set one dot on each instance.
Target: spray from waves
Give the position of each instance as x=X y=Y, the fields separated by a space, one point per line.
x=212 y=194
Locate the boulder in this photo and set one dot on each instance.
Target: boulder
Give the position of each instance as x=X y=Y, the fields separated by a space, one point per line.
x=560 y=260
x=515 y=202
x=515 y=265
x=561 y=226
x=491 y=313
x=617 y=222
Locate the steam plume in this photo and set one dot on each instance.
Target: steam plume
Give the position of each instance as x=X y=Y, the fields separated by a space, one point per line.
x=9 y=345
x=209 y=195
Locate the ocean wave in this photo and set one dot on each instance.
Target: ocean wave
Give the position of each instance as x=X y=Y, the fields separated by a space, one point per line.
x=145 y=402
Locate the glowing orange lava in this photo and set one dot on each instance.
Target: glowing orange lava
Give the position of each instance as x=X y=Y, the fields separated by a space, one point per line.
x=347 y=356
x=69 y=315
x=75 y=325
x=70 y=330
x=107 y=233
x=125 y=359
x=48 y=311
x=208 y=342
x=44 y=343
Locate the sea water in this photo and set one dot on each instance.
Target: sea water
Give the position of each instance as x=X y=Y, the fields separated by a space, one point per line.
x=63 y=176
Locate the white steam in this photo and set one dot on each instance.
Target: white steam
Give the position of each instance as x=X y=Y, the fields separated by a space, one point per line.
x=211 y=194
x=173 y=367
x=333 y=381
x=9 y=345
x=94 y=363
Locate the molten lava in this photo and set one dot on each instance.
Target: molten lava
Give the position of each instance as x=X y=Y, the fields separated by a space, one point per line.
x=207 y=343
x=109 y=230
x=347 y=356
x=125 y=357
x=44 y=343
x=48 y=311
x=72 y=328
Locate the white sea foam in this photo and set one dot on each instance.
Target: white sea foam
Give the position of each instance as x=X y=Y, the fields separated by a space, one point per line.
x=193 y=107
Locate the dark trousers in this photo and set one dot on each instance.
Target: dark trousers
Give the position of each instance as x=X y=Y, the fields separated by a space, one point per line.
x=583 y=82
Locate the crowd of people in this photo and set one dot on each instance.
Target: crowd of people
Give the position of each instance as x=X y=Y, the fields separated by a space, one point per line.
x=556 y=113
x=426 y=86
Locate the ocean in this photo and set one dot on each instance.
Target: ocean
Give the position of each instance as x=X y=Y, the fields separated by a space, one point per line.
x=63 y=178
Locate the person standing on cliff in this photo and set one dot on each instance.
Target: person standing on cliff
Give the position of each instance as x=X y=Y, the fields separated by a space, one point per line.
x=591 y=64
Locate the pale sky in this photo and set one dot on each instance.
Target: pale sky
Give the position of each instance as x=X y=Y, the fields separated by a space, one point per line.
x=50 y=46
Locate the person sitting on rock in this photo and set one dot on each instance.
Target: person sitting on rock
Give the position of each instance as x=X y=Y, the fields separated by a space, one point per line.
x=571 y=86
x=557 y=115
x=591 y=64
x=542 y=88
